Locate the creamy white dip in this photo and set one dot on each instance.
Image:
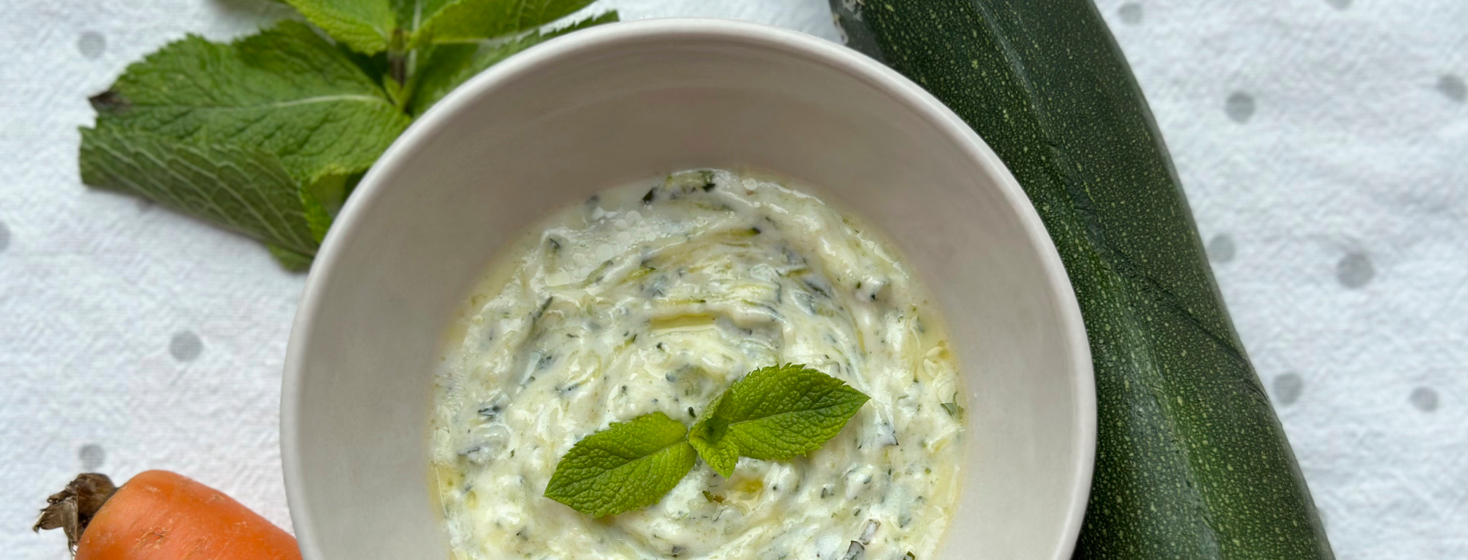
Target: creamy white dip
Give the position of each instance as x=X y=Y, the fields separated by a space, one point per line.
x=655 y=297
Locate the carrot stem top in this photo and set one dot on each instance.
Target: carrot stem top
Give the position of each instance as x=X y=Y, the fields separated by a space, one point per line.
x=72 y=508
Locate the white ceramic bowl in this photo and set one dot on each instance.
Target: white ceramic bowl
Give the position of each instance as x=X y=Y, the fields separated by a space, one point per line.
x=634 y=100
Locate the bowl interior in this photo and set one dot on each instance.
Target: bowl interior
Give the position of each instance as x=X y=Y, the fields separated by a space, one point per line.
x=631 y=101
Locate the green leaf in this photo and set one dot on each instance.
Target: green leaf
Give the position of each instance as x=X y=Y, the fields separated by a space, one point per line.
x=774 y=414
x=397 y=93
x=237 y=187
x=300 y=114
x=365 y=25
x=317 y=198
x=474 y=20
x=445 y=67
x=624 y=467
x=375 y=66
x=411 y=13
x=285 y=91
x=290 y=260
x=721 y=453
x=442 y=68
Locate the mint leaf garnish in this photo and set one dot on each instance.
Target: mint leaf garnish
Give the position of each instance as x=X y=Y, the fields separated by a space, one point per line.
x=772 y=414
x=706 y=437
x=775 y=414
x=624 y=467
x=365 y=25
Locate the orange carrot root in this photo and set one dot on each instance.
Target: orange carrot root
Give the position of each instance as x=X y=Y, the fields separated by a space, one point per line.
x=159 y=515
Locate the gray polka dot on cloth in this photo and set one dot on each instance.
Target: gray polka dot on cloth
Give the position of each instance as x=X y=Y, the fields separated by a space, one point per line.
x=1424 y=398
x=4 y=237
x=185 y=346
x=1131 y=13
x=1354 y=270
x=1339 y=4
x=1221 y=248
x=1452 y=87
x=91 y=44
x=1287 y=388
x=92 y=456
x=1239 y=106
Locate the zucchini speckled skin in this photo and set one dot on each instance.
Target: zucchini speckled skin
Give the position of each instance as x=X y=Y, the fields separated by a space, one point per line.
x=1191 y=460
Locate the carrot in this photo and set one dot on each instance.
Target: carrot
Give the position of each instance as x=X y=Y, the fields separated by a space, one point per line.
x=159 y=515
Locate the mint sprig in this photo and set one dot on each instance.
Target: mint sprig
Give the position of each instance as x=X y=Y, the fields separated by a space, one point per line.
x=773 y=414
x=266 y=135
x=374 y=26
x=624 y=467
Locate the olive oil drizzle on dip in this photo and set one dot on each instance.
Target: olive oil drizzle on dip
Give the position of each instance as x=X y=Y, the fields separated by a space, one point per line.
x=655 y=297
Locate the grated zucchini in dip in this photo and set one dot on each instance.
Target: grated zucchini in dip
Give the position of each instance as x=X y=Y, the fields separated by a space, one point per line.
x=655 y=297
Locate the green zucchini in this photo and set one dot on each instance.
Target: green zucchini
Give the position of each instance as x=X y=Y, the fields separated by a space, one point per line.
x=1191 y=461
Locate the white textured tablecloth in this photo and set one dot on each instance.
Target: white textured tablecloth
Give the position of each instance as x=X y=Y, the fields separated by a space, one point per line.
x=1323 y=145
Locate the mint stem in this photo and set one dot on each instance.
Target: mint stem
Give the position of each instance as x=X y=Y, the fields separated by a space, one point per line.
x=397 y=56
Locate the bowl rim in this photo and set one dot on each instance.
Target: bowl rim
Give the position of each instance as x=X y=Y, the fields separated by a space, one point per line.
x=838 y=57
